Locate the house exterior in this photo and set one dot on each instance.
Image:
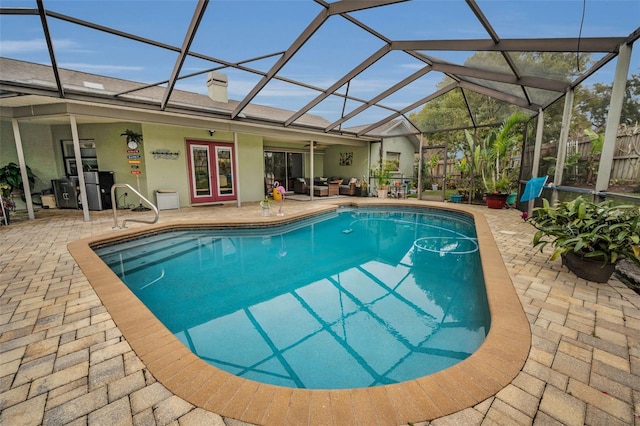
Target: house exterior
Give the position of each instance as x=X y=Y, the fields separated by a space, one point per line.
x=191 y=147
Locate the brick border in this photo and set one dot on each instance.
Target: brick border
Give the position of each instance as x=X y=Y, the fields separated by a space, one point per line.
x=491 y=368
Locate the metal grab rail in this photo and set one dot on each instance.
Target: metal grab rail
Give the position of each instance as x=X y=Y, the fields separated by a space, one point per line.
x=115 y=207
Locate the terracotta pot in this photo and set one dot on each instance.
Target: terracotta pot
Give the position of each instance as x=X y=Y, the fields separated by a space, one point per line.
x=591 y=269
x=496 y=201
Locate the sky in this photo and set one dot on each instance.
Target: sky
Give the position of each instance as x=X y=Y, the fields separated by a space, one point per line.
x=242 y=30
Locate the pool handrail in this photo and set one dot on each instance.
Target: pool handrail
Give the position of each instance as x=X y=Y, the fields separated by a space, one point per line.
x=115 y=207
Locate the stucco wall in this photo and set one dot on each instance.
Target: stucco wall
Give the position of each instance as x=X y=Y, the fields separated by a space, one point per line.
x=174 y=174
x=43 y=154
x=251 y=167
x=111 y=149
x=39 y=153
x=162 y=173
x=318 y=164
x=395 y=144
x=359 y=166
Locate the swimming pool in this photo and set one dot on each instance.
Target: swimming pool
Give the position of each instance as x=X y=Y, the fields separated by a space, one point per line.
x=479 y=377
x=299 y=305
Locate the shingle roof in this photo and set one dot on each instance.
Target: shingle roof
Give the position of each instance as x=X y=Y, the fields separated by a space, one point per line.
x=41 y=76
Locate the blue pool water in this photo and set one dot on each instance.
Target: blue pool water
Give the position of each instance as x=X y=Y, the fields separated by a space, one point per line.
x=355 y=298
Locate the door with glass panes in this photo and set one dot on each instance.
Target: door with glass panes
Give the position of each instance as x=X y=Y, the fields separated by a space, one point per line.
x=211 y=172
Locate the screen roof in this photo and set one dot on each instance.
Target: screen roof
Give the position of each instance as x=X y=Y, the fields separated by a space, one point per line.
x=357 y=64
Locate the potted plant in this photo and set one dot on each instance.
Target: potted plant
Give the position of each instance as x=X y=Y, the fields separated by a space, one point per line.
x=266 y=207
x=10 y=176
x=7 y=203
x=490 y=159
x=383 y=178
x=133 y=138
x=590 y=237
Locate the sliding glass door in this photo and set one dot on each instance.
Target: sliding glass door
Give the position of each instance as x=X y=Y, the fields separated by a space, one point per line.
x=282 y=167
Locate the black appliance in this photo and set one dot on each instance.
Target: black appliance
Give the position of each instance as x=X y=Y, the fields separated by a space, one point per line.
x=98 y=185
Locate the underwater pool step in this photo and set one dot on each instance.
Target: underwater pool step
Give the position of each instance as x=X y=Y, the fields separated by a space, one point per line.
x=149 y=254
x=133 y=243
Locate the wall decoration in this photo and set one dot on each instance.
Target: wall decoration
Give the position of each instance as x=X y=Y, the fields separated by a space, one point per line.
x=165 y=154
x=346 y=158
x=133 y=138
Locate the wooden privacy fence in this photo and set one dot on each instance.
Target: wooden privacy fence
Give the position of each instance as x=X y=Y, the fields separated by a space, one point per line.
x=626 y=157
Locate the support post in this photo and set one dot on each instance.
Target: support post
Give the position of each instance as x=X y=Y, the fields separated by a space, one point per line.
x=562 y=142
x=311 y=170
x=236 y=175
x=26 y=186
x=613 y=118
x=420 y=162
x=536 y=154
x=78 y=157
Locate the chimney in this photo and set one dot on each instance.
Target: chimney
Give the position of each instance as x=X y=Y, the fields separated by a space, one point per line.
x=217 y=87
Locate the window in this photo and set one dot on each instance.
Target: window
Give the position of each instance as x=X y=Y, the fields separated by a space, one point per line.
x=393 y=158
x=87 y=153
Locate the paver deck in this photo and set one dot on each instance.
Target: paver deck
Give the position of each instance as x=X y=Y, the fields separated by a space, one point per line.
x=63 y=360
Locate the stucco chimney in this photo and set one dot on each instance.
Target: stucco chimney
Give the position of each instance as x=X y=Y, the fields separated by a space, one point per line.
x=217 y=87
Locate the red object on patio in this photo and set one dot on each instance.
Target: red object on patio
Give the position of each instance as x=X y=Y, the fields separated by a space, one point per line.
x=496 y=201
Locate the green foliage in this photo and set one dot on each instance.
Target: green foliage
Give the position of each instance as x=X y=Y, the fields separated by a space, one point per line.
x=10 y=175
x=597 y=142
x=383 y=173
x=132 y=136
x=433 y=163
x=490 y=154
x=595 y=103
x=591 y=104
x=597 y=230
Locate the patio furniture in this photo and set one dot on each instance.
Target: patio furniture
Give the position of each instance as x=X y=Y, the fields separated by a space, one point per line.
x=334 y=187
x=533 y=188
x=321 y=191
x=302 y=186
x=398 y=191
x=348 y=187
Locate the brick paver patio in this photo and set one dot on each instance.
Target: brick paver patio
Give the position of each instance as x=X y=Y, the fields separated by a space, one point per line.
x=64 y=361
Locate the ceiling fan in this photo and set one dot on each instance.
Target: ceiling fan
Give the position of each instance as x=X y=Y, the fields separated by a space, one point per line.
x=315 y=145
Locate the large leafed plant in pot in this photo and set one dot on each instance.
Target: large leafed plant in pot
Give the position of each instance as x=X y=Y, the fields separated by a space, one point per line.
x=590 y=237
x=490 y=159
x=383 y=178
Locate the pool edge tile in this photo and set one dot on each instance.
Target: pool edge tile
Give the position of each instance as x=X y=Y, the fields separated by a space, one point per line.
x=341 y=407
x=491 y=362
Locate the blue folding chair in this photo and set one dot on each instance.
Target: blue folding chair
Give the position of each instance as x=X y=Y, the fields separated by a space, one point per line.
x=533 y=188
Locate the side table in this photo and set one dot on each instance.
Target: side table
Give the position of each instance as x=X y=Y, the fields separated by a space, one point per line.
x=334 y=188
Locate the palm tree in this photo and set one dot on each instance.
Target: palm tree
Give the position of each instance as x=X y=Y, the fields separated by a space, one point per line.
x=490 y=156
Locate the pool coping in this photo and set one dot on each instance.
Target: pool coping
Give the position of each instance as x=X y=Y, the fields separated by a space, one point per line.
x=491 y=368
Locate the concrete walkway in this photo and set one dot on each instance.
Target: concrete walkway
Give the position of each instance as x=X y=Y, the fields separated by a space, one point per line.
x=64 y=361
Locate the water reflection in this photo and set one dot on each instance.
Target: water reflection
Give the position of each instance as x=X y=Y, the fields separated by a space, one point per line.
x=398 y=297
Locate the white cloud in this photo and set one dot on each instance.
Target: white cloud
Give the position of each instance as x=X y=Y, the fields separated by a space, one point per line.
x=96 y=68
x=413 y=66
x=8 y=47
